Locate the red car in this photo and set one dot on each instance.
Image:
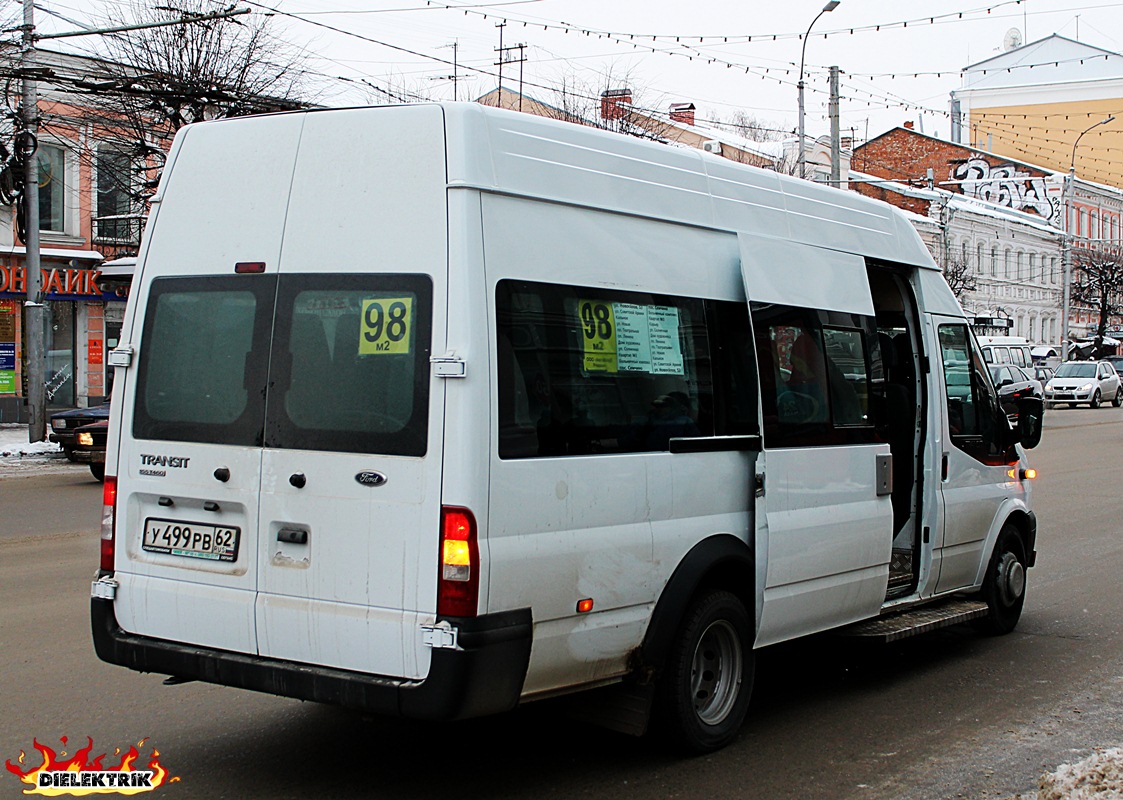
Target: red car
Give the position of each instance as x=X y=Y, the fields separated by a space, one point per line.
x=89 y=446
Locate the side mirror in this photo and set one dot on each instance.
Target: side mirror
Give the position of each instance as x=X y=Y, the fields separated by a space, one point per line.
x=1006 y=382
x=1031 y=418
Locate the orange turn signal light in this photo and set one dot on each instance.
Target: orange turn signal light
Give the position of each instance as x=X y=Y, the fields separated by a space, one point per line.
x=585 y=606
x=1029 y=474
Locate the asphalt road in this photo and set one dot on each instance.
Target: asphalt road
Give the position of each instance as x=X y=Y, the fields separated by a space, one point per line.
x=948 y=715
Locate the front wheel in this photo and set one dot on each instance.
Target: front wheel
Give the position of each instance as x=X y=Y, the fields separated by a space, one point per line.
x=1095 y=401
x=97 y=469
x=1118 y=399
x=703 y=695
x=1004 y=587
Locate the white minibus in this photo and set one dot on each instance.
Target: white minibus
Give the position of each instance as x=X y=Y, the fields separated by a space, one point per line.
x=434 y=410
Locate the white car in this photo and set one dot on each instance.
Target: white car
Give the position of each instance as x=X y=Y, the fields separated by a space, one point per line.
x=1090 y=382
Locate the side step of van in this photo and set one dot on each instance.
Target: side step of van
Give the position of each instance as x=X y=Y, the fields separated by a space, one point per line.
x=903 y=624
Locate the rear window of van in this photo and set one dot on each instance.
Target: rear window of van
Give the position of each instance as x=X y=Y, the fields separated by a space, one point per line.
x=312 y=362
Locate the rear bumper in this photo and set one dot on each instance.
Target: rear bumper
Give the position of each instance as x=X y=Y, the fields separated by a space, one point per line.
x=483 y=676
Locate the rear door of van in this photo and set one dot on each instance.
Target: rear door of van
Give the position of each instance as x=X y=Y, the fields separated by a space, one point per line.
x=351 y=468
x=338 y=525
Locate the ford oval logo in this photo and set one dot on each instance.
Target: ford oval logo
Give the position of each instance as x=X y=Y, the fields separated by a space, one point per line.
x=371 y=478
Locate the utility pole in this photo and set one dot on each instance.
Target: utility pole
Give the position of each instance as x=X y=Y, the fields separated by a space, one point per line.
x=35 y=311
x=836 y=143
x=504 y=58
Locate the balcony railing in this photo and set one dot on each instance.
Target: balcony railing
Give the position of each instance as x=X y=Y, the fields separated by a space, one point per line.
x=119 y=229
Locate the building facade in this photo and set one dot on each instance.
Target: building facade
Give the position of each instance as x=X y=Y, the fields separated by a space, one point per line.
x=1032 y=103
x=87 y=213
x=1076 y=211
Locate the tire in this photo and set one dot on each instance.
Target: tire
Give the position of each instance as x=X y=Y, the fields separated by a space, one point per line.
x=98 y=471
x=1095 y=401
x=703 y=694
x=1005 y=583
x=1118 y=399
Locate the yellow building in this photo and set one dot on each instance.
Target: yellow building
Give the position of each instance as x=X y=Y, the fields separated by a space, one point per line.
x=1033 y=103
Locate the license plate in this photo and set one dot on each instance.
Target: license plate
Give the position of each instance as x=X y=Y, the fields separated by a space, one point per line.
x=190 y=539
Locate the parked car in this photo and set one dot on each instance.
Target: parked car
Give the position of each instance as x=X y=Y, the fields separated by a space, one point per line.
x=65 y=425
x=1117 y=362
x=1012 y=383
x=89 y=446
x=1089 y=382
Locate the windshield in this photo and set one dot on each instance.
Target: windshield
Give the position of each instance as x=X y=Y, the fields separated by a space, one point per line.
x=1071 y=370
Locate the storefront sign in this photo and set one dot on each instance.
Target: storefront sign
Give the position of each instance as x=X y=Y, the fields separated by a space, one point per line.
x=7 y=381
x=58 y=283
x=94 y=351
x=7 y=355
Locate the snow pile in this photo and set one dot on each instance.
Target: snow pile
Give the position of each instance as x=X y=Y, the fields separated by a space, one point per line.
x=1098 y=777
x=19 y=455
x=13 y=443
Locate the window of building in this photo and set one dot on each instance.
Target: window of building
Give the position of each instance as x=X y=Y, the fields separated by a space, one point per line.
x=994 y=261
x=1031 y=274
x=1006 y=264
x=115 y=183
x=52 y=188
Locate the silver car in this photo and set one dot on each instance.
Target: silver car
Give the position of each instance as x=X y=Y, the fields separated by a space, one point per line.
x=1090 y=382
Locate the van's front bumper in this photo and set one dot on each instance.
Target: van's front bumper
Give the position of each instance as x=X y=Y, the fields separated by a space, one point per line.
x=483 y=675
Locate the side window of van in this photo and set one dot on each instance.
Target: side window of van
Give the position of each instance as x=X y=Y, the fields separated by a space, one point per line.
x=815 y=369
x=972 y=405
x=584 y=371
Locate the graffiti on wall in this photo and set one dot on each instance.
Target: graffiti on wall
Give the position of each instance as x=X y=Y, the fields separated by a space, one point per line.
x=1005 y=186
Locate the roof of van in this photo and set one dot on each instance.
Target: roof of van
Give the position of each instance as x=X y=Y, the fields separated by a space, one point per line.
x=499 y=150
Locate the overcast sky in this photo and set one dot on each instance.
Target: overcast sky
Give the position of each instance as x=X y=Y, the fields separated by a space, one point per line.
x=889 y=50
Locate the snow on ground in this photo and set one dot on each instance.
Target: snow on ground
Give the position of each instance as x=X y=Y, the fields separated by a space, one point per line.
x=1097 y=777
x=17 y=455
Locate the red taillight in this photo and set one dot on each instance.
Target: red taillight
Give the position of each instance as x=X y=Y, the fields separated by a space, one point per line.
x=249 y=267
x=108 y=521
x=458 y=583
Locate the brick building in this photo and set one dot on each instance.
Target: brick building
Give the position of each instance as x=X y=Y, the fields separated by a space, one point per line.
x=1082 y=213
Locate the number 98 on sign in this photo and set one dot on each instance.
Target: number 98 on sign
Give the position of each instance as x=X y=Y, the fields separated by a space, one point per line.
x=385 y=324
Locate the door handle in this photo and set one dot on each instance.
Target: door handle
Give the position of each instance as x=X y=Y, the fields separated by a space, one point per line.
x=944 y=467
x=292 y=536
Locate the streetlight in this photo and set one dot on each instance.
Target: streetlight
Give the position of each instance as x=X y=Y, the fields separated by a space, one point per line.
x=1067 y=255
x=830 y=6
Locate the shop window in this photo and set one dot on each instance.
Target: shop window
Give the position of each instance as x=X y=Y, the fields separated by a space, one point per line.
x=52 y=188
x=60 y=354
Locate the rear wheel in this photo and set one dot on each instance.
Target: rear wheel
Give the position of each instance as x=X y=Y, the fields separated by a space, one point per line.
x=1118 y=399
x=98 y=471
x=703 y=695
x=1004 y=587
x=1095 y=401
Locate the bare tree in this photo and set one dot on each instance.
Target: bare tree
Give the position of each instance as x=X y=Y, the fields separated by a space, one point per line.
x=754 y=129
x=959 y=275
x=1098 y=283
x=146 y=84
